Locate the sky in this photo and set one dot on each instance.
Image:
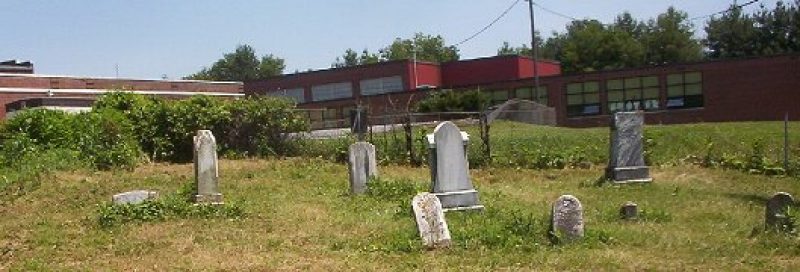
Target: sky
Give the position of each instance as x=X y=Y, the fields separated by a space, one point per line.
x=152 y=38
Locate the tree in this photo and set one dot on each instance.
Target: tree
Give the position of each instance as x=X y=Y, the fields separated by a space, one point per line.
x=732 y=35
x=777 y=29
x=351 y=58
x=428 y=48
x=590 y=46
x=669 y=38
x=241 y=65
x=626 y=23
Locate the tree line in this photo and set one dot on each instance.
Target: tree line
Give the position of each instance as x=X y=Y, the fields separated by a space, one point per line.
x=586 y=45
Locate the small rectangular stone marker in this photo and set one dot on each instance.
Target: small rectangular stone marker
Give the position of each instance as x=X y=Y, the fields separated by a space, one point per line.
x=430 y=221
x=626 y=158
x=777 y=207
x=450 y=168
x=362 y=166
x=206 y=168
x=566 y=219
x=134 y=197
x=629 y=211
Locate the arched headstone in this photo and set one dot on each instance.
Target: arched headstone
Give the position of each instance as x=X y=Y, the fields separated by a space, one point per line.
x=776 y=213
x=206 y=168
x=450 y=168
x=431 y=224
x=567 y=219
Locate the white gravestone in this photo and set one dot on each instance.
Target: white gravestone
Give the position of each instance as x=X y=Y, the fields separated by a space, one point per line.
x=450 y=168
x=206 y=168
x=430 y=221
x=567 y=219
x=133 y=197
x=362 y=165
x=626 y=152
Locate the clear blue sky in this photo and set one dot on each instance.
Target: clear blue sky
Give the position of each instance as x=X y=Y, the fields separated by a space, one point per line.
x=148 y=38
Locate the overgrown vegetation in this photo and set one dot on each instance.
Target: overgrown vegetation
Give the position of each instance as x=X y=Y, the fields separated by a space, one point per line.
x=450 y=101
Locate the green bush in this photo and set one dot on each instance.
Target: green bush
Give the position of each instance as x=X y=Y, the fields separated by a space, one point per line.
x=452 y=101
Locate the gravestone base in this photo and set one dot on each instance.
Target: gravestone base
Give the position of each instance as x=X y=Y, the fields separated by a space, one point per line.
x=209 y=199
x=459 y=200
x=622 y=175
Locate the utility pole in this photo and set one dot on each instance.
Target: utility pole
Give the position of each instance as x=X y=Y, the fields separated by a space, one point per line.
x=534 y=50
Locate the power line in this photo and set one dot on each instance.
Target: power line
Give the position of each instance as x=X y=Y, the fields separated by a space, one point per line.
x=489 y=25
x=559 y=14
x=724 y=11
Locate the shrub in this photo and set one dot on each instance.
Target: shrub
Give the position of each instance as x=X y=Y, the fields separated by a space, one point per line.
x=450 y=101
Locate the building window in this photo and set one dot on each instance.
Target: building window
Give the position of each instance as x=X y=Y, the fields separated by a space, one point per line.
x=684 y=90
x=381 y=85
x=633 y=93
x=583 y=98
x=296 y=94
x=330 y=114
x=539 y=96
x=315 y=115
x=499 y=97
x=332 y=91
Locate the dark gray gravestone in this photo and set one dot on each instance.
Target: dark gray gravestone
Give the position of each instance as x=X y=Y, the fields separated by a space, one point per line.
x=362 y=164
x=629 y=211
x=450 y=168
x=431 y=224
x=777 y=207
x=206 y=168
x=626 y=158
x=567 y=219
x=134 y=197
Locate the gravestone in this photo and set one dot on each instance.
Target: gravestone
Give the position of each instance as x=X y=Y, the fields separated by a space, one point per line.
x=430 y=219
x=206 y=168
x=362 y=163
x=134 y=197
x=626 y=158
x=629 y=211
x=450 y=168
x=567 y=219
x=777 y=206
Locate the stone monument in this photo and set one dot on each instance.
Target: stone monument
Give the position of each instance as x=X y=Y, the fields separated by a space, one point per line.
x=450 y=168
x=629 y=211
x=566 y=219
x=777 y=207
x=134 y=197
x=362 y=164
x=626 y=158
x=206 y=168
x=430 y=221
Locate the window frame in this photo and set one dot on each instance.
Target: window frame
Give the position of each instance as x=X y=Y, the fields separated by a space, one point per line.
x=583 y=93
x=686 y=101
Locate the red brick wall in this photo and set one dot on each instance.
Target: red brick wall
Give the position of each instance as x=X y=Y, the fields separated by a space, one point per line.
x=493 y=69
x=58 y=82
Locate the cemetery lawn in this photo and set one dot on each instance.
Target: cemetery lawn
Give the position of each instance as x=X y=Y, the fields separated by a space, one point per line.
x=299 y=217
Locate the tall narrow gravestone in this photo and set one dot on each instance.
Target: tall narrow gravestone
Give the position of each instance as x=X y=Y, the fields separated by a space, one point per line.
x=430 y=221
x=626 y=158
x=450 y=168
x=361 y=161
x=206 y=172
x=567 y=219
x=777 y=207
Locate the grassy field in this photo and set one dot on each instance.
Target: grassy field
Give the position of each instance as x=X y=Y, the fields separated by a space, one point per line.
x=299 y=217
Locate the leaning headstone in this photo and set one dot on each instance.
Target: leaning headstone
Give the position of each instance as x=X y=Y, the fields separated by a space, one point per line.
x=206 y=168
x=430 y=221
x=362 y=165
x=450 y=168
x=626 y=158
x=567 y=219
x=134 y=197
x=777 y=208
x=629 y=211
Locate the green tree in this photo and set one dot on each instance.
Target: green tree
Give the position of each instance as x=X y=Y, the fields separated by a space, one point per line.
x=588 y=45
x=669 y=38
x=733 y=34
x=351 y=58
x=428 y=48
x=777 y=29
x=626 y=23
x=241 y=65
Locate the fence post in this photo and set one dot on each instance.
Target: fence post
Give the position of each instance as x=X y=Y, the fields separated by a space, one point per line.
x=786 y=142
x=412 y=158
x=484 y=123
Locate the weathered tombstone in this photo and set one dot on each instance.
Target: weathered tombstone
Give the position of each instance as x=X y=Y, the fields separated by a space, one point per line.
x=431 y=224
x=358 y=122
x=629 y=211
x=134 y=197
x=206 y=168
x=567 y=219
x=626 y=158
x=362 y=165
x=450 y=168
x=777 y=207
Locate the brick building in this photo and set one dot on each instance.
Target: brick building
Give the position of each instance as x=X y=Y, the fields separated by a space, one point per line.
x=749 y=89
